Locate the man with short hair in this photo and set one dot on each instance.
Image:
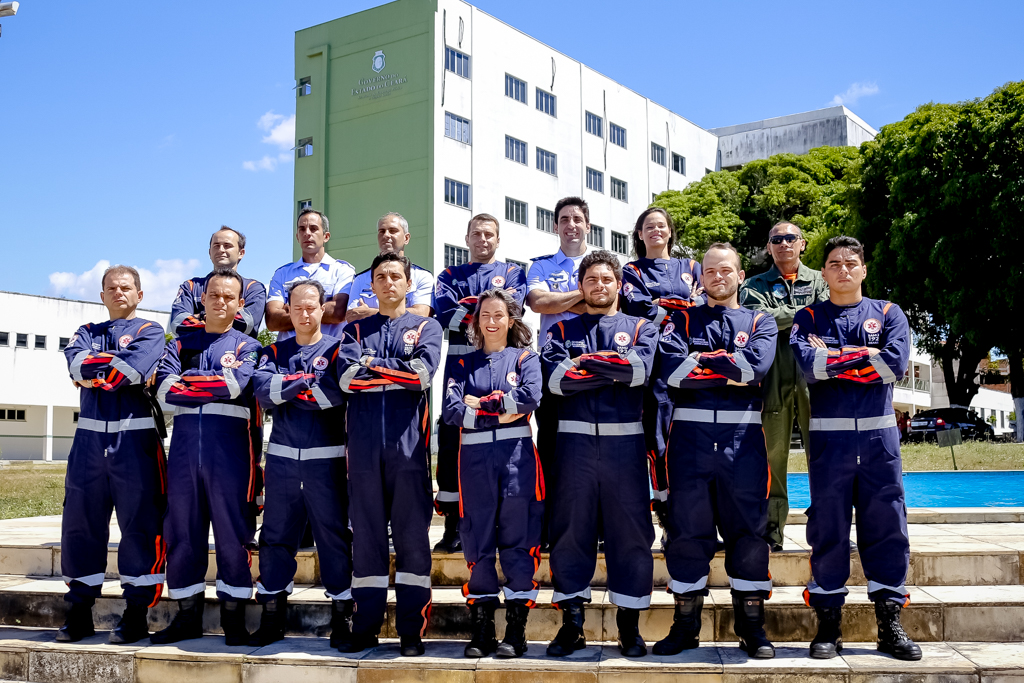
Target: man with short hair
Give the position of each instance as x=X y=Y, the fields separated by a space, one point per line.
x=597 y=364
x=211 y=469
x=116 y=463
x=313 y=232
x=227 y=247
x=455 y=298
x=392 y=238
x=851 y=349
x=305 y=467
x=713 y=359
x=387 y=361
x=780 y=292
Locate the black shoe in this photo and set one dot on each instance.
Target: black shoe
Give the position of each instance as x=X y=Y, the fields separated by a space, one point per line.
x=358 y=643
x=412 y=646
x=133 y=626
x=631 y=643
x=685 y=631
x=514 y=642
x=232 y=620
x=776 y=547
x=829 y=640
x=341 y=625
x=450 y=542
x=481 y=618
x=78 y=624
x=892 y=639
x=273 y=620
x=748 y=613
x=570 y=637
x=187 y=623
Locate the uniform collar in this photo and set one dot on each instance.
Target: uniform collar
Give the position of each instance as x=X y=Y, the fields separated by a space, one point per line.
x=803 y=274
x=326 y=262
x=561 y=257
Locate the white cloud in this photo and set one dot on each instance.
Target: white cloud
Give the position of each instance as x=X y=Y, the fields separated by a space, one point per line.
x=854 y=93
x=280 y=131
x=159 y=283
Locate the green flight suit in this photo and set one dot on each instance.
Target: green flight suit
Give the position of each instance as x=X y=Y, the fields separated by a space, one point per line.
x=785 y=390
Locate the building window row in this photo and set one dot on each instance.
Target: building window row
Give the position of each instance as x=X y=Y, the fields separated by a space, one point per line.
x=620 y=243
x=595 y=180
x=515 y=211
x=545 y=220
x=12 y=415
x=456 y=128
x=455 y=256
x=456 y=62
x=620 y=190
x=515 y=88
x=617 y=135
x=547 y=161
x=547 y=103
x=305 y=204
x=21 y=341
x=305 y=87
x=456 y=193
x=595 y=237
x=657 y=154
x=595 y=125
x=679 y=164
x=515 y=150
x=304 y=148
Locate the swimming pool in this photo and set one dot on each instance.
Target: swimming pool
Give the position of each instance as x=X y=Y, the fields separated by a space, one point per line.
x=1004 y=488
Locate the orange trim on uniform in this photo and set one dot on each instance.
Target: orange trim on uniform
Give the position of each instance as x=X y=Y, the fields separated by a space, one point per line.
x=142 y=328
x=636 y=332
x=357 y=332
x=562 y=328
x=687 y=316
x=540 y=489
x=885 y=310
x=426 y=617
x=754 y=326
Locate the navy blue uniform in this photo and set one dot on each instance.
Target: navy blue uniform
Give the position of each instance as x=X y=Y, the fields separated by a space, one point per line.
x=717 y=462
x=305 y=469
x=116 y=462
x=674 y=283
x=212 y=471
x=455 y=297
x=501 y=484
x=601 y=476
x=187 y=312
x=388 y=419
x=854 y=455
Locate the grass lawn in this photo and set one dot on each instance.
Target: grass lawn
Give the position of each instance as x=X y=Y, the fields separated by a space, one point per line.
x=31 y=489
x=970 y=455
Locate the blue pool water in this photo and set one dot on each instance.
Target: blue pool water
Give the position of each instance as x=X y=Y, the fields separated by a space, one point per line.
x=941 y=489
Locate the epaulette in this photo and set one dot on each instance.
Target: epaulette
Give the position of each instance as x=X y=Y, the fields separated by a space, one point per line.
x=540 y=258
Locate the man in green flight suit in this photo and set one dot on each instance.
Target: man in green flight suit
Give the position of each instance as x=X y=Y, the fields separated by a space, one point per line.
x=784 y=289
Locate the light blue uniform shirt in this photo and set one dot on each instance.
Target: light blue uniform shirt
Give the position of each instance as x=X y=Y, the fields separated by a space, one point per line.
x=554 y=273
x=421 y=292
x=335 y=275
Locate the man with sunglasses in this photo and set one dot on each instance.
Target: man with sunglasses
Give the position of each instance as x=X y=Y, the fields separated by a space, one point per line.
x=784 y=289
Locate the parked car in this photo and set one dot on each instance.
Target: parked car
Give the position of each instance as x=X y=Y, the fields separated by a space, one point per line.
x=925 y=425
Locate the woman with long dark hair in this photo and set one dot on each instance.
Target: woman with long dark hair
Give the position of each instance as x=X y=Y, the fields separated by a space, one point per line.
x=653 y=287
x=490 y=396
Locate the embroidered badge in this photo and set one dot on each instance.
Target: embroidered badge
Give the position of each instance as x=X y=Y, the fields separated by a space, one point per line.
x=872 y=326
x=513 y=379
x=124 y=341
x=621 y=339
x=319 y=363
x=498 y=281
x=741 y=339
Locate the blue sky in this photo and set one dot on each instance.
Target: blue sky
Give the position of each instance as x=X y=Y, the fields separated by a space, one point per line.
x=130 y=130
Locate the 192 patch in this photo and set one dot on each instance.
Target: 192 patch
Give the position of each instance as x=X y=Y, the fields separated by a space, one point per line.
x=687 y=278
x=228 y=360
x=627 y=288
x=498 y=281
x=410 y=337
x=124 y=341
x=264 y=359
x=668 y=330
x=741 y=339
x=319 y=363
x=513 y=379
x=621 y=339
x=872 y=326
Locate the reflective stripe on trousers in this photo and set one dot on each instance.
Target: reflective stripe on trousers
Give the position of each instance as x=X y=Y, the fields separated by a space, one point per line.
x=850 y=424
x=601 y=429
x=716 y=416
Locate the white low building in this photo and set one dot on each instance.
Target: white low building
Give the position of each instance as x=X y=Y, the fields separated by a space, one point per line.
x=38 y=402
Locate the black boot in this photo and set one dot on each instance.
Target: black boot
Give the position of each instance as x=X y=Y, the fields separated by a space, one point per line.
x=232 y=620
x=631 y=643
x=78 y=624
x=570 y=637
x=481 y=619
x=892 y=639
x=358 y=642
x=341 y=624
x=514 y=642
x=273 y=620
x=412 y=646
x=748 y=613
x=133 y=626
x=685 y=631
x=450 y=542
x=187 y=623
x=829 y=640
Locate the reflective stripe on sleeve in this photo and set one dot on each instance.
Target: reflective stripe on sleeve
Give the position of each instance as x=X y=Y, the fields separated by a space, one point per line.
x=128 y=371
x=639 y=371
x=460 y=349
x=234 y=390
x=456 y=322
x=276 y=385
x=76 y=365
x=165 y=386
x=321 y=397
x=746 y=372
x=555 y=383
x=346 y=378
x=421 y=369
x=469 y=418
x=820 y=363
x=883 y=370
x=509 y=404
x=682 y=372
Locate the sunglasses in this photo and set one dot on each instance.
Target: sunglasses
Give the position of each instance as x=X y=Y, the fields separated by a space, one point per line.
x=779 y=239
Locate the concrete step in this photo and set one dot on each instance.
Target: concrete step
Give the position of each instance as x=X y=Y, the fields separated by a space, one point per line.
x=31 y=655
x=936 y=613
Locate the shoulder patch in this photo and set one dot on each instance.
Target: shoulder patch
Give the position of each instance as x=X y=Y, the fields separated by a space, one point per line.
x=541 y=258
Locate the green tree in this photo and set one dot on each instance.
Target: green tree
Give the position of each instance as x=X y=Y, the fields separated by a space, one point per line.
x=707 y=211
x=265 y=337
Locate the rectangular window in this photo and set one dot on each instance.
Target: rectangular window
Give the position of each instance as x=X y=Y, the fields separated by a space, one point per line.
x=40 y=342
x=5 y=338
x=547 y=161
x=515 y=211
x=595 y=237
x=305 y=147
x=12 y=415
x=515 y=150
x=62 y=343
x=305 y=204
x=679 y=164
x=620 y=243
x=515 y=88
x=518 y=263
x=456 y=62
x=21 y=341
x=305 y=87
x=616 y=135
x=620 y=190
x=595 y=180
x=546 y=103
x=455 y=256
x=657 y=154
x=595 y=125
x=456 y=193
x=545 y=220
x=456 y=128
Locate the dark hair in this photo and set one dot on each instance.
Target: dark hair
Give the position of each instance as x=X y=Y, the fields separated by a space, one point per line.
x=598 y=257
x=324 y=223
x=388 y=257
x=228 y=274
x=639 y=248
x=241 y=237
x=121 y=270
x=519 y=335
x=572 y=201
x=483 y=218
x=844 y=242
x=727 y=247
x=782 y=223
x=308 y=283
